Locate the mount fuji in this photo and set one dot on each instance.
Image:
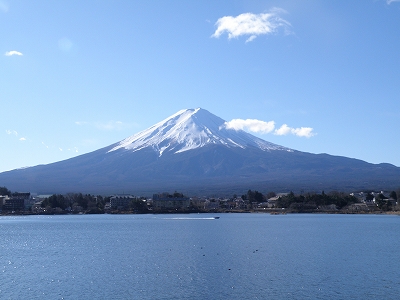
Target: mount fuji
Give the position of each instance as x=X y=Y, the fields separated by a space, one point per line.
x=190 y=129
x=194 y=151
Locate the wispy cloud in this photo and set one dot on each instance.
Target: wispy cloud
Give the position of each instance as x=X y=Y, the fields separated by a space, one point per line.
x=13 y=132
x=252 y=125
x=53 y=147
x=80 y=123
x=391 y=1
x=110 y=125
x=252 y=25
x=30 y=141
x=13 y=52
x=263 y=127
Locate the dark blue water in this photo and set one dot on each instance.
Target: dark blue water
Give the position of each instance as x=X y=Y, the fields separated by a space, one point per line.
x=239 y=256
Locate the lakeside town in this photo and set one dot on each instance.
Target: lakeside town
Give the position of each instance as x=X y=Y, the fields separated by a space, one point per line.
x=26 y=203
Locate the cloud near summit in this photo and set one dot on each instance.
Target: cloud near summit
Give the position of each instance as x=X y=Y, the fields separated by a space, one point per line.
x=263 y=127
x=252 y=125
x=252 y=25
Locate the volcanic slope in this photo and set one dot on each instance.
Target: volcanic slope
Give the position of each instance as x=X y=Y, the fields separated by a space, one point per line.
x=194 y=152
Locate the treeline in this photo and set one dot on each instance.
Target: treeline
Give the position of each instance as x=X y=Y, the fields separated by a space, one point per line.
x=256 y=196
x=301 y=202
x=311 y=201
x=291 y=202
x=90 y=203
x=308 y=202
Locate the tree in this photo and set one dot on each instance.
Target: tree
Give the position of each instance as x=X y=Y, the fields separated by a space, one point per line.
x=369 y=197
x=5 y=191
x=177 y=195
x=55 y=201
x=258 y=196
x=393 y=195
x=138 y=205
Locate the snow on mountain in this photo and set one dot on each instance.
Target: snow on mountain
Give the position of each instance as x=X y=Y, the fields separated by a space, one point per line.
x=190 y=129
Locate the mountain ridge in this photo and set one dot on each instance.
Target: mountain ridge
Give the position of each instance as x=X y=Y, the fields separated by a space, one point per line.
x=192 y=151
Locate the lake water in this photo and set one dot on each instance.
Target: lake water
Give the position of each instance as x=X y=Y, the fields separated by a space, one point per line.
x=239 y=256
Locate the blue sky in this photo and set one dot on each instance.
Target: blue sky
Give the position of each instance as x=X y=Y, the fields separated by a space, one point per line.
x=315 y=76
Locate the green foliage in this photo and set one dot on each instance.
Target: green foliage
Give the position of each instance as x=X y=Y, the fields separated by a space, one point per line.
x=55 y=201
x=87 y=202
x=254 y=196
x=138 y=205
x=177 y=195
x=381 y=196
x=5 y=191
x=270 y=195
x=311 y=201
x=383 y=203
x=369 y=197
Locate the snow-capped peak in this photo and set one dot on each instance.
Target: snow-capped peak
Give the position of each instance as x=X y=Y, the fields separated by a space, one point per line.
x=190 y=129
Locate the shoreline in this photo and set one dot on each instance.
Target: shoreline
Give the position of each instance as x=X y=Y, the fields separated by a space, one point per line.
x=271 y=212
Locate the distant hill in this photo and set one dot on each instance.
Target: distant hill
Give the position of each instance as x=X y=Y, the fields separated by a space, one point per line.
x=193 y=152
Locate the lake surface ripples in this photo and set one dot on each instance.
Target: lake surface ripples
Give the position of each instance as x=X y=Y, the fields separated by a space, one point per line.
x=239 y=256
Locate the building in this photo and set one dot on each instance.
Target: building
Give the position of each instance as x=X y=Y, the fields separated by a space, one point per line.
x=16 y=202
x=121 y=201
x=165 y=201
x=2 y=201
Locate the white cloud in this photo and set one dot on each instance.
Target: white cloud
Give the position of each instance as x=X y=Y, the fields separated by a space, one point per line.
x=391 y=1
x=251 y=125
x=301 y=132
x=251 y=38
x=263 y=127
x=13 y=132
x=304 y=131
x=252 y=25
x=13 y=52
x=283 y=130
